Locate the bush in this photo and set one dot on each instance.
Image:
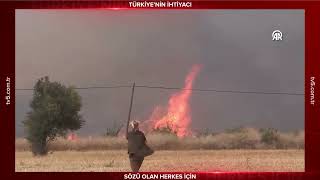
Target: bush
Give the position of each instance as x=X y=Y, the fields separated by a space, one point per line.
x=164 y=130
x=114 y=131
x=205 y=132
x=270 y=136
x=235 y=130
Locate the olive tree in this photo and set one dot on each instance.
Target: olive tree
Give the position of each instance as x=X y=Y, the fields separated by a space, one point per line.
x=54 y=111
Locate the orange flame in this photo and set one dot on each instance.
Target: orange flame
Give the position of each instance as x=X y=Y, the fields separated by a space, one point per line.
x=177 y=117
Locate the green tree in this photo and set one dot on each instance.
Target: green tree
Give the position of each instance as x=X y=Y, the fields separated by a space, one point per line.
x=54 y=111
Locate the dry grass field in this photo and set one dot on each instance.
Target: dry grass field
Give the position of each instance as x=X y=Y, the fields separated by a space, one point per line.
x=172 y=160
x=247 y=138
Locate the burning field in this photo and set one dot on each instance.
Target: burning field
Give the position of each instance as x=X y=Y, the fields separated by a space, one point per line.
x=178 y=147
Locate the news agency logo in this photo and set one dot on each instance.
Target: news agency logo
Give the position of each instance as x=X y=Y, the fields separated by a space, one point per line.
x=277 y=35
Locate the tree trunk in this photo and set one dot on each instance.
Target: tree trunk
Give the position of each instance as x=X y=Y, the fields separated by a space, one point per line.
x=39 y=148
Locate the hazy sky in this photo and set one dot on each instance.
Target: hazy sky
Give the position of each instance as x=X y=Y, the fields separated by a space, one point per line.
x=105 y=47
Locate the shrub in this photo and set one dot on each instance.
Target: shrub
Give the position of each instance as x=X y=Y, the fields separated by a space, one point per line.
x=270 y=136
x=164 y=130
x=114 y=131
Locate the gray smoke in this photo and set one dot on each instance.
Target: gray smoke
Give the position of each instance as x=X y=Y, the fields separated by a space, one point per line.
x=158 y=48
